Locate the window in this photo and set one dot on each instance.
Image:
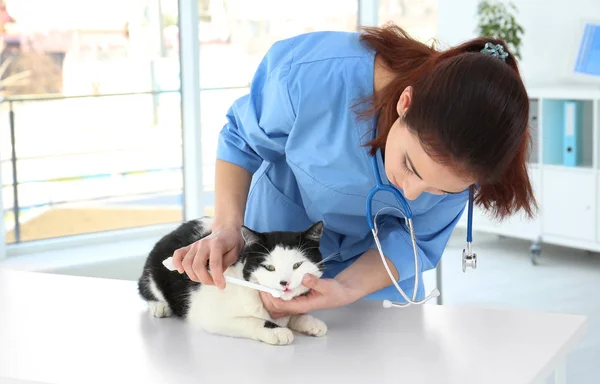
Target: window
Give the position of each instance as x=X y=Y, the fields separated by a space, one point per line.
x=91 y=96
x=90 y=91
x=417 y=17
x=234 y=36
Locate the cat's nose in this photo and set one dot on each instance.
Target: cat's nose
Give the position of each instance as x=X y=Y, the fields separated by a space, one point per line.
x=283 y=283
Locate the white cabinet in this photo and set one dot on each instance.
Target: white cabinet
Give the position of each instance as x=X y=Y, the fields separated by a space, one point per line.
x=520 y=225
x=569 y=203
x=598 y=209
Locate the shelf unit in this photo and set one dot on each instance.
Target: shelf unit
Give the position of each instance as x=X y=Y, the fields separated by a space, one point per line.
x=566 y=183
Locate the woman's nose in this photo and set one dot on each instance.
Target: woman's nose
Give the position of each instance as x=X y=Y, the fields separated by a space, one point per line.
x=411 y=189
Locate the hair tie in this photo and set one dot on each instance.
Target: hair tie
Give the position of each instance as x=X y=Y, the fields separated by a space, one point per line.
x=495 y=50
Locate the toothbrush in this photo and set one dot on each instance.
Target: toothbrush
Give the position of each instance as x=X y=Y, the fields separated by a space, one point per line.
x=168 y=263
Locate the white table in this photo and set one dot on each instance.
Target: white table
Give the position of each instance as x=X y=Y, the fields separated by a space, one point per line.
x=65 y=329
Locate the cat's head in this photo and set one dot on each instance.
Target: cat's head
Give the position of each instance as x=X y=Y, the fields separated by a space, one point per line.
x=281 y=259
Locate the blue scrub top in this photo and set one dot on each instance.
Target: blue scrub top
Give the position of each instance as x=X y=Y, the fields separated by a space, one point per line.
x=297 y=134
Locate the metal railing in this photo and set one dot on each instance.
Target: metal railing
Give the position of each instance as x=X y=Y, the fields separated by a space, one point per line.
x=14 y=158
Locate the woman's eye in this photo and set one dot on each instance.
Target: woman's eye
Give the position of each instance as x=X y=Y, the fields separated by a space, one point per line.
x=269 y=268
x=297 y=265
x=405 y=167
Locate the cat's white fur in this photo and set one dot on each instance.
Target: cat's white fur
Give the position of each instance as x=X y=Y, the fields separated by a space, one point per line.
x=239 y=312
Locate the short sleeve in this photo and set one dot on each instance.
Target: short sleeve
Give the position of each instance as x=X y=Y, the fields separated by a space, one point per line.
x=432 y=230
x=259 y=123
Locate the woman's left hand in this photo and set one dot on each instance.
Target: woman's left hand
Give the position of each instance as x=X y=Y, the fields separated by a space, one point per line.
x=323 y=294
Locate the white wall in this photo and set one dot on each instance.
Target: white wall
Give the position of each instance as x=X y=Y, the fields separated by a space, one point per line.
x=552 y=29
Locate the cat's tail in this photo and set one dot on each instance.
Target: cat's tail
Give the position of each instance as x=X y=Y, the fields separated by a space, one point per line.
x=149 y=291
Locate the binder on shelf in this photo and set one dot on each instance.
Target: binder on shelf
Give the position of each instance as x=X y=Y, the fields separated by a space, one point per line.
x=572 y=140
x=553 y=131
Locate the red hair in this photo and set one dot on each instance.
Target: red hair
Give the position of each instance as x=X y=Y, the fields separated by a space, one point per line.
x=469 y=110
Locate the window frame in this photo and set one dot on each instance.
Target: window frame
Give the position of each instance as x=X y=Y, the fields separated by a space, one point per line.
x=195 y=197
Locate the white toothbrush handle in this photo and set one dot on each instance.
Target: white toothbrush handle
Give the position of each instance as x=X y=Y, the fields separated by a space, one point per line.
x=168 y=263
x=273 y=292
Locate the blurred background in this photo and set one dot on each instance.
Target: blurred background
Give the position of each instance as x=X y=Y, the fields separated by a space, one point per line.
x=103 y=148
x=90 y=92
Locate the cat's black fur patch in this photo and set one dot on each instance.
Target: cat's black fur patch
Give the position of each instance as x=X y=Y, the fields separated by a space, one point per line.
x=176 y=287
x=270 y=324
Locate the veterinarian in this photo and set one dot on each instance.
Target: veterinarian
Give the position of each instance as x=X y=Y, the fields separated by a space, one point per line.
x=297 y=149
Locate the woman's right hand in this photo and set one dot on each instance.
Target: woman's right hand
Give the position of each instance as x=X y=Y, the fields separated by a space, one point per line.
x=218 y=250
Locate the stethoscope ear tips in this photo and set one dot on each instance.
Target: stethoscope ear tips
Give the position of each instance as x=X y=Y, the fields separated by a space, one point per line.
x=387 y=304
x=435 y=293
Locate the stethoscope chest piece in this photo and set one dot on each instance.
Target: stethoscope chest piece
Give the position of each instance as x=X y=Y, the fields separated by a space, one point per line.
x=469 y=259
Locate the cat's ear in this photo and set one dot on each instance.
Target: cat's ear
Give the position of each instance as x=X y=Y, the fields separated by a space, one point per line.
x=250 y=236
x=314 y=232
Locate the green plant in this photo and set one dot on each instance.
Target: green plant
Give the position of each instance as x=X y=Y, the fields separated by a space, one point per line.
x=498 y=20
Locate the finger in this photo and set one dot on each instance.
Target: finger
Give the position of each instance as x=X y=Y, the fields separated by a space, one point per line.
x=200 y=266
x=297 y=305
x=267 y=300
x=230 y=257
x=263 y=297
x=216 y=265
x=312 y=282
x=178 y=258
x=276 y=315
x=188 y=262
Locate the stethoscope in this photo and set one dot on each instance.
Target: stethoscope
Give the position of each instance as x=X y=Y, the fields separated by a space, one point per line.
x=469 y=259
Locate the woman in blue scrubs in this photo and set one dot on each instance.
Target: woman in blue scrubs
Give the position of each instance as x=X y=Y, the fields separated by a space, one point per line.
x=298 y=149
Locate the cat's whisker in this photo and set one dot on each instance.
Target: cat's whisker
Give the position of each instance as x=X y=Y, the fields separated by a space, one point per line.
x=301 y=246
x=315 y=269
x=327 y=258
x=315 y=266
x=306 y=249
x=265 y=248
x=257 y=253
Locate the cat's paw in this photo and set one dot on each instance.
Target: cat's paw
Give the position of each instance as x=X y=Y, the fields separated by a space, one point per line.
x=277 y=336
x=160 y=309
x=309 y=325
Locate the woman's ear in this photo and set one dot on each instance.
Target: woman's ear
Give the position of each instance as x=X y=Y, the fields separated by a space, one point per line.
x=404 y=101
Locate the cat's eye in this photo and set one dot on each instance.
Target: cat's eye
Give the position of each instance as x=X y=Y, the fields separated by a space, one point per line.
x=269 y=268
x=297 y=265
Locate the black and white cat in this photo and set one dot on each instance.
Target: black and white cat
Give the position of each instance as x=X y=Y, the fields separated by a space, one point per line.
x=274 y=259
